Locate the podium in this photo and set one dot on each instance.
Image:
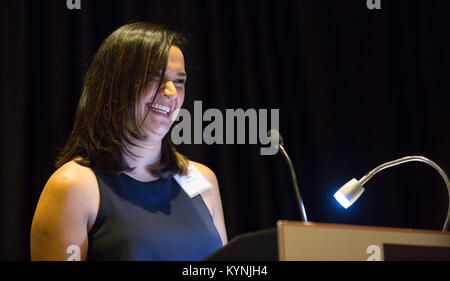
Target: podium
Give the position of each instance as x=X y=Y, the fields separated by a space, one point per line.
x=299 y=241
x=253 y=246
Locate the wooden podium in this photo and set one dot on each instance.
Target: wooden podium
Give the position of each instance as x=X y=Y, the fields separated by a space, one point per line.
x=299 y=241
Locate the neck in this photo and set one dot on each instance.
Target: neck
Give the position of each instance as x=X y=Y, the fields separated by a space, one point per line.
x=147 y=156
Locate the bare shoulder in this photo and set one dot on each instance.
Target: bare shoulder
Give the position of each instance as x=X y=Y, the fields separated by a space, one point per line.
x=206 y=172
x=73 y=176
x=74 y=184
x=66 y=211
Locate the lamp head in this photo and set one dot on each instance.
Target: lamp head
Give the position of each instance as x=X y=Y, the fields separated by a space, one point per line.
x=349 y=193
x=275 y=138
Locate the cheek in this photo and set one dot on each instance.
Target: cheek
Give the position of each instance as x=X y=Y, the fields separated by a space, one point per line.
x=180 y=97
x=148 y=93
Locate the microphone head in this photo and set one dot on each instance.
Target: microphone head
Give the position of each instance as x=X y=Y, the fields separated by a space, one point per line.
x=275 y=138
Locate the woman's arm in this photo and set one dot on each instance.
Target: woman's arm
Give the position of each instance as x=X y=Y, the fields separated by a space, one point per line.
x=213 y=201
x=65 y=212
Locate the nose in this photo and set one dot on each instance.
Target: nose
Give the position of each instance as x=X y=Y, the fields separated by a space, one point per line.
x=169 y=89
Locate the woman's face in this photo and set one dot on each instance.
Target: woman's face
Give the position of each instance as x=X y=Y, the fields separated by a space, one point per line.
x=160 y=114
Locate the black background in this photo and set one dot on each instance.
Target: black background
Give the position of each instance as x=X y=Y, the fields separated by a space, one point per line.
x=355 y=88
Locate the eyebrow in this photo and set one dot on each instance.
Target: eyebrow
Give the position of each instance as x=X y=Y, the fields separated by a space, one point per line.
x=182 y=74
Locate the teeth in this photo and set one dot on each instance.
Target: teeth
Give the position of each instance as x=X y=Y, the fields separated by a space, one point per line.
x=163 y=108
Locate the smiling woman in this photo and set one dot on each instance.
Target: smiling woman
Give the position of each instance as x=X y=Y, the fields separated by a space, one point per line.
x=113 y=194
x=120 y=83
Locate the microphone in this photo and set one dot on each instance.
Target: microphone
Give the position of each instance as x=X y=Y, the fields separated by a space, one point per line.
x=351 y=191
x=277 y=141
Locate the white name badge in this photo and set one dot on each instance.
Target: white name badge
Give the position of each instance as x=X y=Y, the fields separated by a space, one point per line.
x=193 y=183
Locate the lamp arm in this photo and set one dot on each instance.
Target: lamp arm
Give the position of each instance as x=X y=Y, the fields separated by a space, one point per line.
x=294 y=182
x=370 y=174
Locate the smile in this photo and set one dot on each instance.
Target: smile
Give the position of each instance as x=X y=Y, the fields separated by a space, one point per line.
x=160 y=108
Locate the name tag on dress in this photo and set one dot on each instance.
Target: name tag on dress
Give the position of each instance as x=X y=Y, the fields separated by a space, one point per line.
x=193 y=183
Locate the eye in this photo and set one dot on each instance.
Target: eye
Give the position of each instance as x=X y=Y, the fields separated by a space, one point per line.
x=179 y=81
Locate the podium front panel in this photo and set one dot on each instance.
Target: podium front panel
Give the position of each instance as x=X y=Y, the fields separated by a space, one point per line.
x=299 y=241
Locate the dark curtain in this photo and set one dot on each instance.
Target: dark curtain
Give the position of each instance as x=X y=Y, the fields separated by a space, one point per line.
x=354 y=87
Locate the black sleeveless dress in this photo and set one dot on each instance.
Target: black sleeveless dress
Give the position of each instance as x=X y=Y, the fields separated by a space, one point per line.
x=150 y=221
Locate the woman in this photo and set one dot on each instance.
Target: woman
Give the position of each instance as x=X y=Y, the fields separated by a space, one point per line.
x=113 y=195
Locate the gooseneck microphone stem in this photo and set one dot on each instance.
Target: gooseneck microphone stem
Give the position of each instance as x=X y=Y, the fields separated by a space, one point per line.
x=370 y=174
x=294 y=182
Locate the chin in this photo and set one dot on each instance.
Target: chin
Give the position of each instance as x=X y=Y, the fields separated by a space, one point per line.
x=158 y=131
x=157 y=127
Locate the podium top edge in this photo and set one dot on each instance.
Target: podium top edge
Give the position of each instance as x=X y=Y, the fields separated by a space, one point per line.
x=284 y=223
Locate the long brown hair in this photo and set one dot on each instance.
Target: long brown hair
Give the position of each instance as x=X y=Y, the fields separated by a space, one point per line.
x=131 y=57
